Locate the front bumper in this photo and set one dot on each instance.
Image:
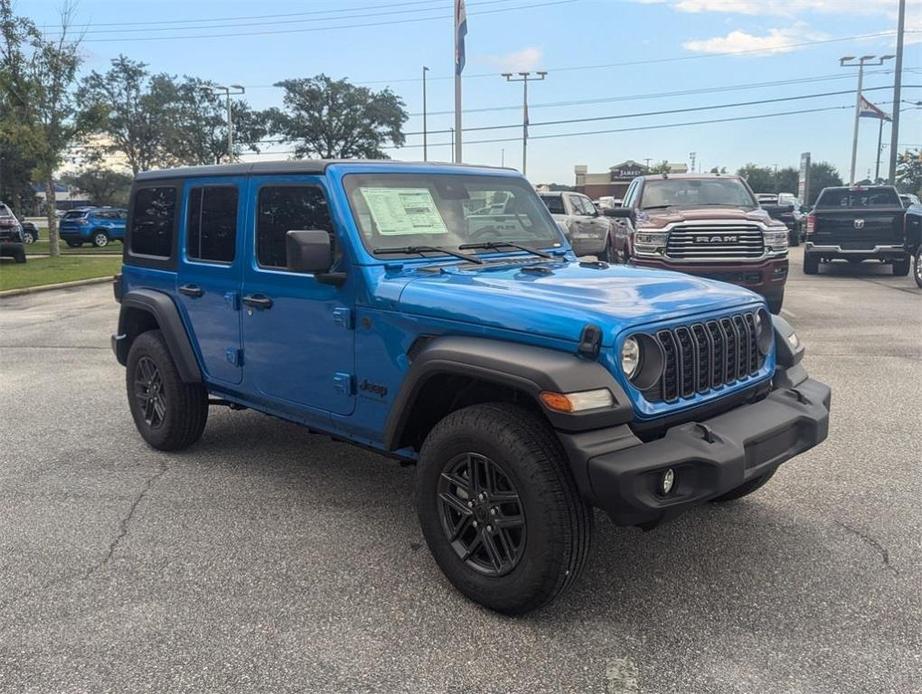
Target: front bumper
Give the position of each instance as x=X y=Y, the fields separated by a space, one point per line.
x=709 y=458
x=877 y=252
x=766 y=278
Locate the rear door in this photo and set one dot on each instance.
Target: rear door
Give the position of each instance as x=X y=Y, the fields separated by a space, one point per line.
x=858 y=219
x=210 y=270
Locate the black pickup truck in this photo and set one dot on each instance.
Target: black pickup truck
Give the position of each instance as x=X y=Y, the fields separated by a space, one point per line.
x=861 y=223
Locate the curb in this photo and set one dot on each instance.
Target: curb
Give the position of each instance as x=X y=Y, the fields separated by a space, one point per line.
x=50 y=287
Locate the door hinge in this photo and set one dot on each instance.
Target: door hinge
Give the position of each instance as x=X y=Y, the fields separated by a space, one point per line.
x=234 y=356
x=233 y=300
x=343 y=317
x=342 y=383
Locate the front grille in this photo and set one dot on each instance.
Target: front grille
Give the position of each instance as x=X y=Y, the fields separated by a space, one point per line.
x=709 y=355
x=703 y=242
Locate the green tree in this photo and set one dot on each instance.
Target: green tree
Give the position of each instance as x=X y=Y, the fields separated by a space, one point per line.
x=661 y=168
x=786 y=180
x=333 y=119
x=721 y=170
x=822 y=175
x=102 y=186
x=760 y=178
x=37 y=73
x=909 y=172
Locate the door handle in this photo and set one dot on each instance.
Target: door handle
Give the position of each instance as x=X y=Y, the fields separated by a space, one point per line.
x=258 y=301
x=192 y=290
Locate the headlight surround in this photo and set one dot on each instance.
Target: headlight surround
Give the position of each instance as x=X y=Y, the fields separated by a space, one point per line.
x=765 y=331
x=650 y=240
x=776 y=240
x=630 y=357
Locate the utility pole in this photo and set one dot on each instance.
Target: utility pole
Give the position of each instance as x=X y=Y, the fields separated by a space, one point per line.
x=425 y=152
x=897 y=90
x=524 y=77
x=238 y=90
x=502 y=156
x=847 y=61
x=880 y=148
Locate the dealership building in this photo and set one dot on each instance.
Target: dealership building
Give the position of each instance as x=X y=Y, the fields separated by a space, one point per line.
x=615 y=181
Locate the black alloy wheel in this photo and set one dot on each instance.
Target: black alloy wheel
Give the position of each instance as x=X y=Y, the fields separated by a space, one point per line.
x=149 y=392
x=482 y=515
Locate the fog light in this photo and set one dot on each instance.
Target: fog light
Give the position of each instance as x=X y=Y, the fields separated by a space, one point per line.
x=667 y=482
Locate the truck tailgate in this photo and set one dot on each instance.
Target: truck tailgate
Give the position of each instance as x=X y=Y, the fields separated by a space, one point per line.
x=858 y=229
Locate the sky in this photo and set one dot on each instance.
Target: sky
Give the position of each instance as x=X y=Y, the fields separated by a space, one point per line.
x=631 y=59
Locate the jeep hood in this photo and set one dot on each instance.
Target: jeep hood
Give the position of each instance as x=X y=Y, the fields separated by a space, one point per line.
x=559 y=301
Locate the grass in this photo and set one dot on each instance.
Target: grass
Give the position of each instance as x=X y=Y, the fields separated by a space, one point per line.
x=39 y=271
x=41 y=247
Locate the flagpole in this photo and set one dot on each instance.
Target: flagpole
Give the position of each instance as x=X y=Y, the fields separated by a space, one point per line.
x=458 y=68
x=880 y=142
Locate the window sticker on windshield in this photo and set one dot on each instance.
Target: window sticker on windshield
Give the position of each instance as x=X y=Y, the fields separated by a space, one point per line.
x=401 y=211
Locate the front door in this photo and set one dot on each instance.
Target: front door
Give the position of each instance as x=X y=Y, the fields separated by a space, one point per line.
x=297 y=331
x=210 y=268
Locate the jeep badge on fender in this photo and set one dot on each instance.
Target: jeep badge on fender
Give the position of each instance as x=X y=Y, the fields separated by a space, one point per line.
x=437 y=314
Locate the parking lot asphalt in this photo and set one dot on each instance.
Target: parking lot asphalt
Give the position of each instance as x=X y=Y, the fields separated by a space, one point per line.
x=269 y=559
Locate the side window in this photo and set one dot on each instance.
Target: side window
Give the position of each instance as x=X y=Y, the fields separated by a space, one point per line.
x=588 y=207
x=554 y=203
x=152 y=226
x=211 y=225
x=287 y=208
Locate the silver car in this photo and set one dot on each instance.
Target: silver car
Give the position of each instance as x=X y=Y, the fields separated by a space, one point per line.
x=589 y=232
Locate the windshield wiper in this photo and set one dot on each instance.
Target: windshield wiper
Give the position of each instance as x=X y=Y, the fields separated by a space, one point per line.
x=422 y=250
x=494 y=245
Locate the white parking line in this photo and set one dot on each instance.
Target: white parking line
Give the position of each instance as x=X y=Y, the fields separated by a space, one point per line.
x=789 y=314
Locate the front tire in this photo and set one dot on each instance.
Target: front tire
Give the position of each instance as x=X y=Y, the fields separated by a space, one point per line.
x=745 y=489
x=100 y=239
x=499 y=508
x=169 y=414
x=28 y=238
x=901 y=267
x=794 y=237
x=917 y=274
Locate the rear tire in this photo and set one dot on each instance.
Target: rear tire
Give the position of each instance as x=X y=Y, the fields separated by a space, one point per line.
x=745 y=489
x=170 y=415
x=100 y=239
x=74 y=244
x=608 y=255
x=510 y=556
x=901 y=268
x=28 y=238
x=811 y=264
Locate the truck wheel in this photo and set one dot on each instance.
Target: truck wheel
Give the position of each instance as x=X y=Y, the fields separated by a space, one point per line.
x=169 y=414
x=745 y=489
x=811 y=264
x=27 y=237
x=100 y=239
x=918 y=267
x=901 y=267
x=499 y=509
x=775 y=302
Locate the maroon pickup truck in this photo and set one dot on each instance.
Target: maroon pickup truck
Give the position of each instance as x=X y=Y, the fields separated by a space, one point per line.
x=704 y=224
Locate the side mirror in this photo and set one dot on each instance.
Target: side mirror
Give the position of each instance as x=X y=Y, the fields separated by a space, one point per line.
x=619 y=212
x=309 y=251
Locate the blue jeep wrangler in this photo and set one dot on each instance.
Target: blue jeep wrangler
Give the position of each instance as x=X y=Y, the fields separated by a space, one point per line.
x=377 y=303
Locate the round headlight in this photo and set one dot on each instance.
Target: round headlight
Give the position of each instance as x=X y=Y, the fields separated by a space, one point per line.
x=630 y=357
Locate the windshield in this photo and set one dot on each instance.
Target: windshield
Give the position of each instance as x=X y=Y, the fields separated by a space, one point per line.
x=448 y=211
x=5 y=211
x=691 y=192
x=859 y=197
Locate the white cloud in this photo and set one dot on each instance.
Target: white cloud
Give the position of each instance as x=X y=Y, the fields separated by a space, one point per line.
x=738 y=41
x=790 y=8
x=517 y=61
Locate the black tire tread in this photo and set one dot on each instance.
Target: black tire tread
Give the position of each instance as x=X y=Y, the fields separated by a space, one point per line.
x=549 y=473
x=187 y=403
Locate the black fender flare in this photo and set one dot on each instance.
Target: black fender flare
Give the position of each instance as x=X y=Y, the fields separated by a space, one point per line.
x=164 y=311
x=526 y=368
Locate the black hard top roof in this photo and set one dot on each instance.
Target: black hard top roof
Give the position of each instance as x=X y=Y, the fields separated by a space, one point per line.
x=294 y=166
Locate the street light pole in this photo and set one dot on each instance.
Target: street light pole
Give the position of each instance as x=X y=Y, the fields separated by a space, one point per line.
x=524 y=77
x=897 y=90
x=847 y=61
x=238 y=89
x=880 y=148
x=425 y=150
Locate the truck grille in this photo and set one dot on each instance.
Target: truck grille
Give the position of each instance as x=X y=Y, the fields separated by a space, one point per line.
x=708 y=355
x=700 y=242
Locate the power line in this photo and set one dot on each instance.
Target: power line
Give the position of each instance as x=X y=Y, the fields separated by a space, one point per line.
x=363 y=15
x=331 y=28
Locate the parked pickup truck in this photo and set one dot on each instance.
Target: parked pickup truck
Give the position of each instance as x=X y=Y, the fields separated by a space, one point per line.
x=373 y=302
x=784 y=207
x=708 y=225
x=861 y=223
x=587 y=229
